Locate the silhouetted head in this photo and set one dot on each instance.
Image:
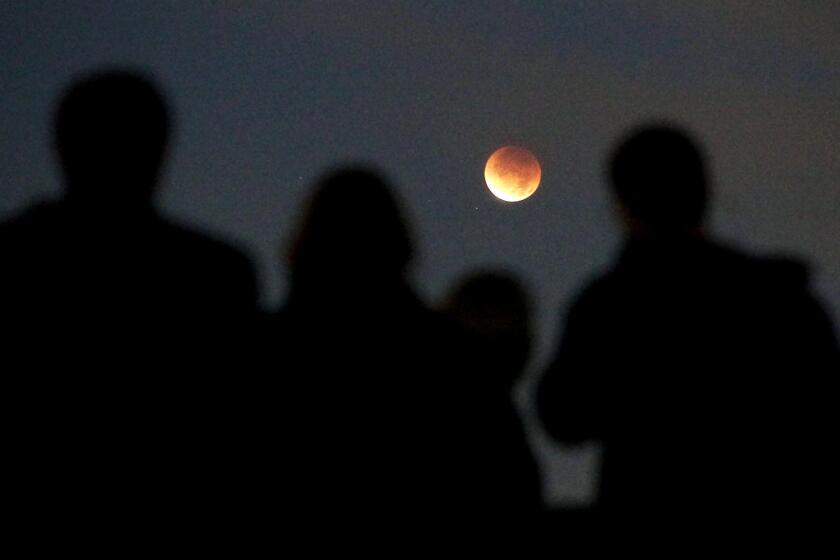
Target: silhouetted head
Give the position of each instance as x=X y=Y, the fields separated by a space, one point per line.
x=111 y=132
x=658 y=174
x=352 y=231
x=493 y=310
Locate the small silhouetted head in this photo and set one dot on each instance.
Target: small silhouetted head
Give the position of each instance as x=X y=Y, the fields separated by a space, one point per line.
x=658 y=174
x=353 y=229
x=111 y=132
x=492 y=309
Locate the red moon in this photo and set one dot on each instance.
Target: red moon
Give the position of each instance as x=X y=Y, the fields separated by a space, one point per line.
x=512 y=173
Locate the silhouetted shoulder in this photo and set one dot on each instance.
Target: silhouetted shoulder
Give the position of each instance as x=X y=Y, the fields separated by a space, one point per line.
x=206 y=245
x=57 y=256
x=213 y=264
x=675 y=279
x=783 y=271
x=662 y=305
x=26 y=237
x=30 y=218
x=790 y=295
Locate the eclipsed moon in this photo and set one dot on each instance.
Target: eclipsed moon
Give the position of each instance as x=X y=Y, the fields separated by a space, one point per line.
x=512 y=173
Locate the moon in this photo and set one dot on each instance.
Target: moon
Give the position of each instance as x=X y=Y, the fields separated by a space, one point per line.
x=512 y=173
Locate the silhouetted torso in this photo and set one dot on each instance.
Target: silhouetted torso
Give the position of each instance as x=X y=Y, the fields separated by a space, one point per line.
x=490 y=345
x=703 y=372
x=363 y=370
x=362 y=358
x=499 y=473
x=125 y=332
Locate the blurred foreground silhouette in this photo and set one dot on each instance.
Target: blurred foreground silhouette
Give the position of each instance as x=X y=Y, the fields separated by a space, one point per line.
x=491 y=321
x=363 y=357
x=122 y=326
x=705 y=372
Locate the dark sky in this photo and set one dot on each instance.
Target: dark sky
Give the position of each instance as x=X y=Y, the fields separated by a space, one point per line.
x=269 y=94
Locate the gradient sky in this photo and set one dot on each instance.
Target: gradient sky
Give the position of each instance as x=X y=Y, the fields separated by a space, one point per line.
x=269 y=94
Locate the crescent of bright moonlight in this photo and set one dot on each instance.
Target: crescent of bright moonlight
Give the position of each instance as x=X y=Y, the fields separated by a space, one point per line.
x=512 y=173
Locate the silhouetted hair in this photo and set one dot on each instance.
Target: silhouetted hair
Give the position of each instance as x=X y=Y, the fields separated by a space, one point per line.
x=658 y=172
x=354 y=224
x=111 y=131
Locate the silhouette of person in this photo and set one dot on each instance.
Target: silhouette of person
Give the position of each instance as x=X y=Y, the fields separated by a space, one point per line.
x=118 y=319
x=701 y=370
x=490 y=317
x=361 y=352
